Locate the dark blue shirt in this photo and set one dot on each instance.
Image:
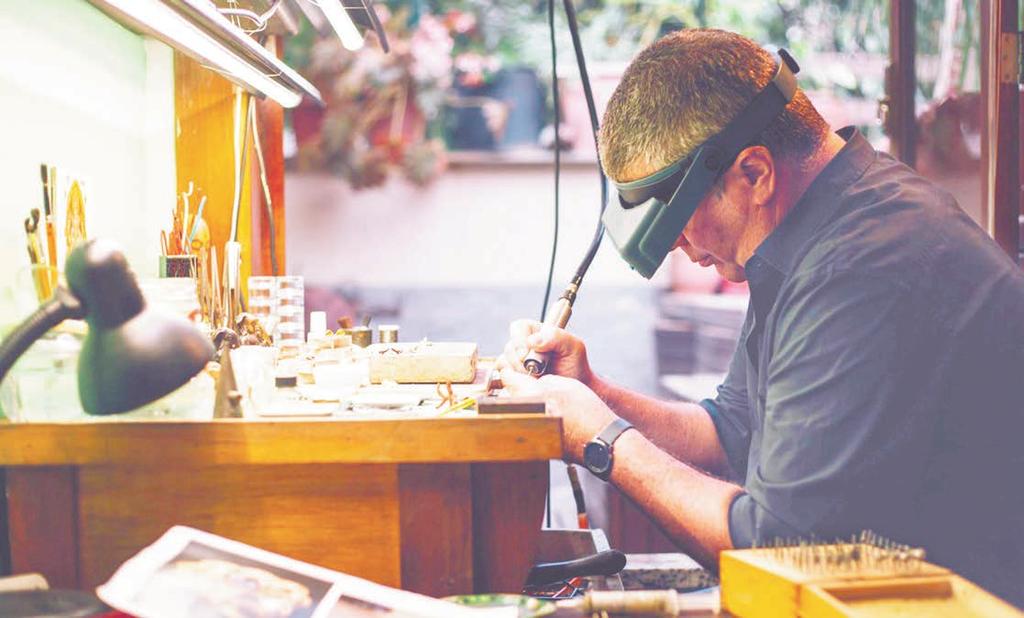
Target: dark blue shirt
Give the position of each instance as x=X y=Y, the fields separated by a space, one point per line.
x=879 y=379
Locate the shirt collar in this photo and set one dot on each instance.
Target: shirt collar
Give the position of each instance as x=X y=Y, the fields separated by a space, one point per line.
x=817 y=205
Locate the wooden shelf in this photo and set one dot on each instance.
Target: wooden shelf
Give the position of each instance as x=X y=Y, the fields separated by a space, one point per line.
x=497 y=438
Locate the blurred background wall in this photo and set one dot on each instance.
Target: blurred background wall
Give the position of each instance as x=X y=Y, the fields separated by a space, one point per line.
x=96 y=100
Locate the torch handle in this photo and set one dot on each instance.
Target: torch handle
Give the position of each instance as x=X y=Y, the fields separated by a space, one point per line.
x=536 y=363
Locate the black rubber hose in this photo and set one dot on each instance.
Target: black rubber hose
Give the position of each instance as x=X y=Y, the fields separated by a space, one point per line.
x=558 y=157
x=63 y=306
x=595 y=244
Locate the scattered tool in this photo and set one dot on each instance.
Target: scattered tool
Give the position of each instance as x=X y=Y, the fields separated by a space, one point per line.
x=232 y=293
x=577 y=494
x=198 y=220
x=51 y=230
x=608 y=562
x=40 y=275
x=650 y=603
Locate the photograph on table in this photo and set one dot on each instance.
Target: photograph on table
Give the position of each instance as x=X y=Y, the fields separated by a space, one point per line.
x=191 y=573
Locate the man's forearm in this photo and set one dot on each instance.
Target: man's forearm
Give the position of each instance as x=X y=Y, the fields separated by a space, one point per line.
x=683 y=430
x=690 y=506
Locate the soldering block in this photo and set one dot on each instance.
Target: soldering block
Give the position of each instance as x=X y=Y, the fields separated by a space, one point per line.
x=423 y=362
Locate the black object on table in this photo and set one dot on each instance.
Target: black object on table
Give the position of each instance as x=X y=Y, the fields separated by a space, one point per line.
x=50 y=604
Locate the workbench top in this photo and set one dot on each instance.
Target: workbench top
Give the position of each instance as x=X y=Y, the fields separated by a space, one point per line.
x=391 y=439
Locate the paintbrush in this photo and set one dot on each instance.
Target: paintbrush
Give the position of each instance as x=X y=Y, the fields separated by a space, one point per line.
x=51 y=230
x=40 y=277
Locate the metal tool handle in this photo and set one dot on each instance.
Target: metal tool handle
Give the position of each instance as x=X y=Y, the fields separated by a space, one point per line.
x=536 y=363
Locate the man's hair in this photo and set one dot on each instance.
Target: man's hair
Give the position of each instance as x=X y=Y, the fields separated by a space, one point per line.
x=686 y=87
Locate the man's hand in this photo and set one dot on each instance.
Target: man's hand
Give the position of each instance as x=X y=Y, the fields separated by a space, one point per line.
x=567 y=355
x=583 y=413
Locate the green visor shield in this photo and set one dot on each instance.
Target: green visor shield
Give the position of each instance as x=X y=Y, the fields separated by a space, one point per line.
x=646 y=220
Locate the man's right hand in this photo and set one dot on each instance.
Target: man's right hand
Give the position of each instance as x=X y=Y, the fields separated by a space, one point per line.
x=566 y=354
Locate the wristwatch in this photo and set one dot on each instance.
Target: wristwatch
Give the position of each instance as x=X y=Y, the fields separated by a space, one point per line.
x=598 y=453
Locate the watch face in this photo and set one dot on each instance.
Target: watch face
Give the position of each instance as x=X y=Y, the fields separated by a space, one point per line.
x=597 y=457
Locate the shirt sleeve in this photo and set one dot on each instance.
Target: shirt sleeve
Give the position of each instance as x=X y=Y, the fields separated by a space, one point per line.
x=843 y=443
x=730 y=409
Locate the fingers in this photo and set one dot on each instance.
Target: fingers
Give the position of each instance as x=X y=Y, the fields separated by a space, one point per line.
x=516 y=349
x=501 y=363
x=512 y=357
x=519 y=330
x=552 y=339
x=518 y=383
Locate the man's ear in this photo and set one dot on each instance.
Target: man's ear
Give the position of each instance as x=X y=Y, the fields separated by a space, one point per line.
x=757 y=171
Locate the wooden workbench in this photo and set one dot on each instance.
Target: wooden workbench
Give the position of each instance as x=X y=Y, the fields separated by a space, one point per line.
x=434 y=505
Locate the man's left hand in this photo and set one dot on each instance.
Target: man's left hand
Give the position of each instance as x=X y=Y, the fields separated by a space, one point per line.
x=583 y=413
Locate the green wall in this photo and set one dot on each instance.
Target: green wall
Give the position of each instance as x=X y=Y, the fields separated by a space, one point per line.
x=80 y=91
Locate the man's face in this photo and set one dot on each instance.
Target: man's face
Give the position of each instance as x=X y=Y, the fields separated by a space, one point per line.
x=712 y=236
x=734 y=217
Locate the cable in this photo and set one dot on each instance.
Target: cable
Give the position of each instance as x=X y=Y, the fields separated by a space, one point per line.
x=241 y=150
x=267 y=204
x=558 y=172
x=595 y=244
x=558 y=160
x=537 y=365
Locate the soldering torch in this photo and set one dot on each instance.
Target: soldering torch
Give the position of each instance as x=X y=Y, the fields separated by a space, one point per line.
x=536 y=364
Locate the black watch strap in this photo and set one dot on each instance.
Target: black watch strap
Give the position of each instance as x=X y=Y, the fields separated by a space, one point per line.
x=614 y=429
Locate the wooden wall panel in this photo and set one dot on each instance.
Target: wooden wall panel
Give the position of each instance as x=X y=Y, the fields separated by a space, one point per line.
x=437 y=528
x=270 y=118
x=1000 y=138
x=204 y=104
x=337 y=516
x=508 y=511
x=43 y=523
x=900 y=84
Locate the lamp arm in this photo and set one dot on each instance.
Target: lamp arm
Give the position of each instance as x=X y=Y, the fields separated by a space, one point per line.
x=62 y=306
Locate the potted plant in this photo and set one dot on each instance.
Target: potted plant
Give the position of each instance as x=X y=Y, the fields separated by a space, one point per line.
x=380 y=107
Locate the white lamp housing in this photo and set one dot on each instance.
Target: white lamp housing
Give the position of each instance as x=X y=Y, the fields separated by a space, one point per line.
x=196 y=28
x=336 y=15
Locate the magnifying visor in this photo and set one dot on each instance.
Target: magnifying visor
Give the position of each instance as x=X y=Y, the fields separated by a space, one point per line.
x=650 y=213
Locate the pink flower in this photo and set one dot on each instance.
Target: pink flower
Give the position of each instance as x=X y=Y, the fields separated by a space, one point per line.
x=431 y=49
x=460 y=22
x=473 y=68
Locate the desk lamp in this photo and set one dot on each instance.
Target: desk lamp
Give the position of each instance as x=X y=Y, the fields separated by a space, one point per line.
x=132 y=355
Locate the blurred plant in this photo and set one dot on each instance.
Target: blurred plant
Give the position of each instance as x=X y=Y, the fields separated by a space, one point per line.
x=379 y=106
x=487 y=35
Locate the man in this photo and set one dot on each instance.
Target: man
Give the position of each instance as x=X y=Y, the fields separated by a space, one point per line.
x=878 y=383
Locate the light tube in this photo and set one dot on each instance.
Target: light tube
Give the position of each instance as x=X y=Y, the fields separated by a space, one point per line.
x=166 y=24
x=350 y=37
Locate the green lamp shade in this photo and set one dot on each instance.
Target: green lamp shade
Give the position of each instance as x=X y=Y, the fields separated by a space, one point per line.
x=132 y=354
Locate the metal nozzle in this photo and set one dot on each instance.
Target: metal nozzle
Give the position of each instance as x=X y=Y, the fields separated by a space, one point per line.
x=536 y=364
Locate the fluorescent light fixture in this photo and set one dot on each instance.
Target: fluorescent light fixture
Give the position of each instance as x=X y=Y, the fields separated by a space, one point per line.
x=342 y=24
x=196 y=28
